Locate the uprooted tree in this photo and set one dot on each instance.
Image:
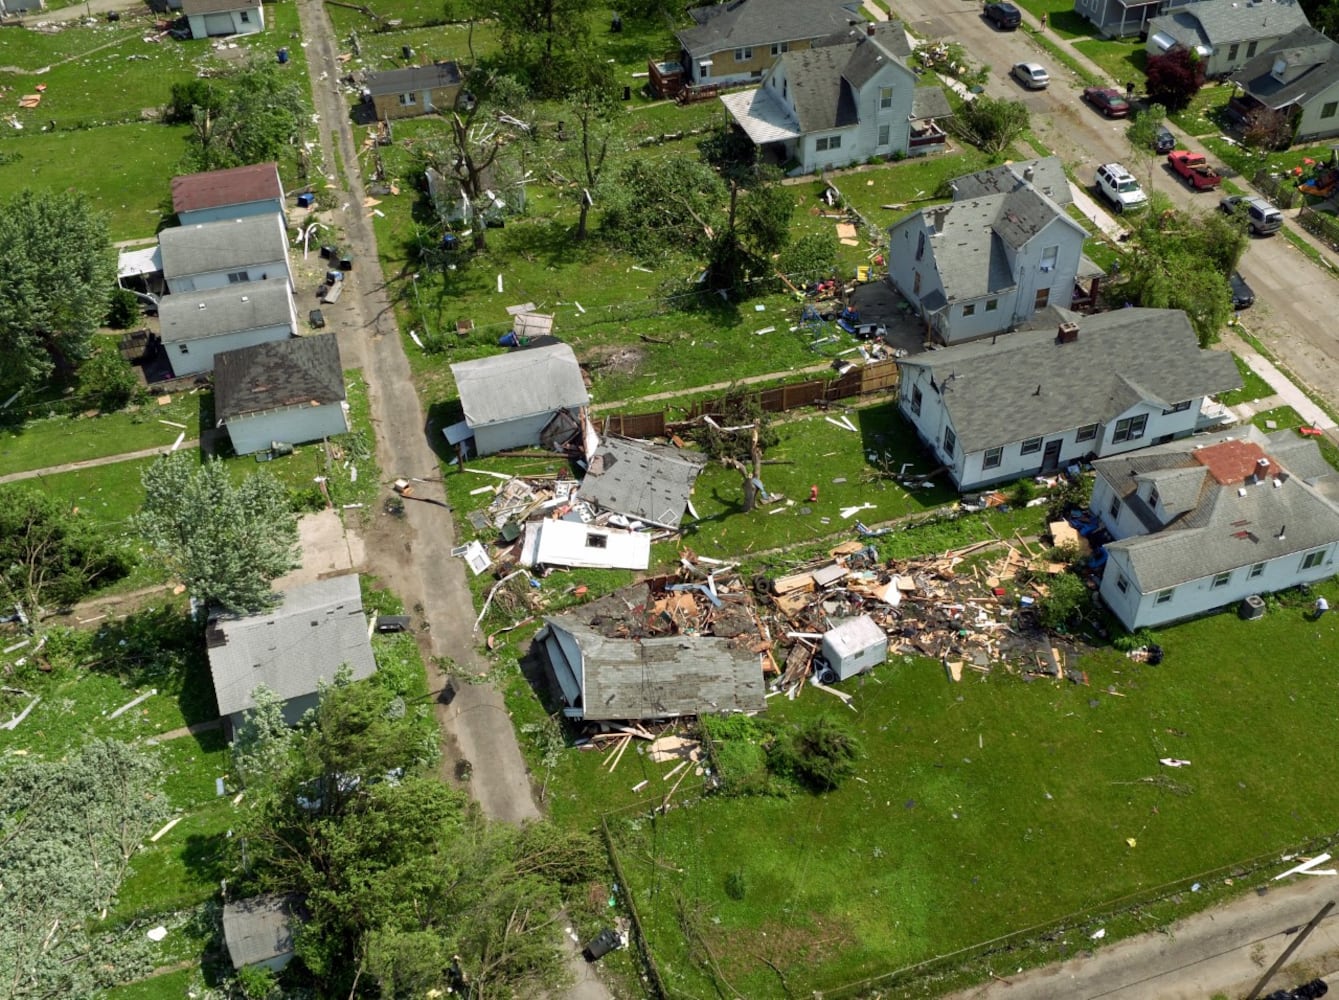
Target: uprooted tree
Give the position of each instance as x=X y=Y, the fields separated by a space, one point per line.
x=990 y=124
x=737 y=436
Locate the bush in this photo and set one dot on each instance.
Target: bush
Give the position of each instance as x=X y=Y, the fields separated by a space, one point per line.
x=1067 y=593
x=819 y=753
x=107 y=380
x=124 y=311
x=734 y=885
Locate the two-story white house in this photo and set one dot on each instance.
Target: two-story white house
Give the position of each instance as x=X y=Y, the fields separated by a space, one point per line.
x=218 y=254
x=1035 y=401
x=841 y=101
x=195 y=326
x=223 y=195
x=1200 y=525
x=986 y=262
x=1224 y=34
x=1299 y=78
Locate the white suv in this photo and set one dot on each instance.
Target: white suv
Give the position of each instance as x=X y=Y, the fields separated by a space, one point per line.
x=1120 y=188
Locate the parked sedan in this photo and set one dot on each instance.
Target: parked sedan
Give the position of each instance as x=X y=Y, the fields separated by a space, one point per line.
x=1004 y=16
x=1108 y=100
x=1243 y=297
x=1031 y=75
x=1164 y=142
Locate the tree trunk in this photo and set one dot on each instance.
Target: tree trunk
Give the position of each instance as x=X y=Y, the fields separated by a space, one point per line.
x=581 y=222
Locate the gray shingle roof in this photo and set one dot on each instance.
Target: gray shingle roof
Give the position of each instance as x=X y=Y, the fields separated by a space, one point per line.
x=929 y=102
x=1224 y=530
x=402 y=81
x=303 y=371
x=318 y=628
x=968 y=253
x=507 y=387
x=189 y=7
x=892 y=35
x=993 y=400
x=664 y=677
x=252 y=305
x=1313 y=62
x=645 y=481
x=754 y=23
x=222 y=246
x=1221 y=22
x=258 y=929
x=822 y=99
x=1048 y=178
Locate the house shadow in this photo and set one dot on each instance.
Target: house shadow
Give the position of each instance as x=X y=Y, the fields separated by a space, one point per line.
x=441 y=415
x=159 y=647
x=895 y=454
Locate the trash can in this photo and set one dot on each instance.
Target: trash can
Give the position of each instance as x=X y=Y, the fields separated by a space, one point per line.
x=316 y=318
x=602 y=944
x=306 y=200
x=283 y=56
x=407 y=52
x=1252 y=607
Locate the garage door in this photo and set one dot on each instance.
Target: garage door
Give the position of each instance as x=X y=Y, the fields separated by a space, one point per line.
x=218 y=24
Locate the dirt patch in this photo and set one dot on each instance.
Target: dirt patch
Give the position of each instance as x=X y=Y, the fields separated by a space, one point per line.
x=615 y=359
x=785 y=945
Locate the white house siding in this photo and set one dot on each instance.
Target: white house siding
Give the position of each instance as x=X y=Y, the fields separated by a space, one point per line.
x=861 y=141
x=227 y=213
x=227 y=23
x=521 y=432
x=1312 y=126
x=291 y=426
x=293 y=709
x=191 y=357
x=1136 y=610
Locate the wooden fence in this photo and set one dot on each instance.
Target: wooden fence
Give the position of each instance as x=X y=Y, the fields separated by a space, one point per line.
x=876 y=377
x=1281 y=189
x=1320 y=225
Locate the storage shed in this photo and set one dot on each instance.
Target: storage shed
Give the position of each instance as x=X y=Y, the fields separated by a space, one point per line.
x=523 y=398
x=854 y=646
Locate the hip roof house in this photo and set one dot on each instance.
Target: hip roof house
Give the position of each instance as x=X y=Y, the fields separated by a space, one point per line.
x=286 y=391
x=209 y=18
x=1202 y=524
x=521 y=398
x=196 y=326
x=1035 y=401
x=220 y=195
x=218 y=254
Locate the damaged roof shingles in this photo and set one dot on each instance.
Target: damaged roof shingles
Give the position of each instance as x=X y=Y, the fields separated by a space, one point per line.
x=647 y=482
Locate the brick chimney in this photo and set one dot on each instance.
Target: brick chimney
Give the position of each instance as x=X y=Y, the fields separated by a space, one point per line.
x=1067 y=334
x=869 y=30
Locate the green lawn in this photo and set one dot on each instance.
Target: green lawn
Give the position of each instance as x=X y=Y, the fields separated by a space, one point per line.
x=1253 y=386
x=966 y=788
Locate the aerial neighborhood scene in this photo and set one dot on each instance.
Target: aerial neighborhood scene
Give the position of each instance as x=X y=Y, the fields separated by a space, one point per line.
x=581 y=500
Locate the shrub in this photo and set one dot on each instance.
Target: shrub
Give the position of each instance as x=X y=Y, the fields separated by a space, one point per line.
x=123 y=312
x=819 y=753
x=1175 y=78
x=107 y=380
x=734 y=885
x=1066 y=594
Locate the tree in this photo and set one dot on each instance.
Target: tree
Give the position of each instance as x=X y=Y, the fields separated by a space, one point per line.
x=664 y=205
x=48 y=554
x=991 y=124
x=757 y=226
x=1268 y=128
x=226 y=541
x=60 y=270
x=737 y=437
x=1066 y=596
x=595 y=122
x=1173 y=79
x=1142 y=134
x=1181 y=261
x=546 y=42
x=106 y=380
x=252 y=118
x=819 y=753
x=264 y=740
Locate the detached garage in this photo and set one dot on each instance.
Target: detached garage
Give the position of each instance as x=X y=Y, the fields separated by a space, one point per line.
x=210 y=18
x=285 y=392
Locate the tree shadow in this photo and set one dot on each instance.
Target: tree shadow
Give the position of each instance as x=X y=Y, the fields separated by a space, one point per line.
x=160 y=647
x=894 y=453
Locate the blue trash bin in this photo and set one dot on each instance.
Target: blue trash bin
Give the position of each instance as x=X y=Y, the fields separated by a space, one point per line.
x=283 y=55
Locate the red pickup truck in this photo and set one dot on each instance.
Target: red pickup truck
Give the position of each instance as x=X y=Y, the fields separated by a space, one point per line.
x=1195 y=169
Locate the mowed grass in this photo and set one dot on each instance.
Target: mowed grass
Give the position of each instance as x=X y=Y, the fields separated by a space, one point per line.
x=1253 y=386
x=994 y=805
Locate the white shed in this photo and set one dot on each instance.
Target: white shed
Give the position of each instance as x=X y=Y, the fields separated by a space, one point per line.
x=854 y=646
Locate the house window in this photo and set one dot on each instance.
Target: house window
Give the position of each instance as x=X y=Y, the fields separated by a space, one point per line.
x=1031 y=446
x=246 y=16
x=408 y=100
x=743 y=55
x=1152 y=496
x=1049 y=258
x=1328 y=109
x=969 y=309
x=1313 y=559
x=885 y=134
x=828 y=142
x=1178 y=408
x=1122 y=584
x=1164 y=596
x=920 y=246
x=950 y=440
x=184 y=348
x=1114 y=509
x=1232 y=52
x=1221 y=580
x=992 y=305
x=1250 y=50
x=237 y=277
x=1086 y=433
x=885 y=97
x=756 y=74
x=916 y=400
x=1130 y=429
x=784 y=87
x=1042 y=298
x=594 y=541
x=993 y=458
x=780 y=47
x=1257 y=570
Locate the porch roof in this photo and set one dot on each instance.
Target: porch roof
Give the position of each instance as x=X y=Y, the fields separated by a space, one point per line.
x=762 y=117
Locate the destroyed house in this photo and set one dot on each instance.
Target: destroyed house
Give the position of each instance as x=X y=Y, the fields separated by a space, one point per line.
x=644 y=482
x=1033 y=402
x=524 y=398
x=1203 y=524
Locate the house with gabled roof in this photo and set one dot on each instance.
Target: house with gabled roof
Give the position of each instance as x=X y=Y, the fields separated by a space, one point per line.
x=291 y=650
x=842 y=100
x=1297 y=77
x=208 y=255
x=1002 y=251
x=526 y=397
x=1036 y=401
x=222 y=195
x=1204 y=523
x=211 y=18
x=413 y=90
x=281 y=392
x=1224 y=34
x=196 y=326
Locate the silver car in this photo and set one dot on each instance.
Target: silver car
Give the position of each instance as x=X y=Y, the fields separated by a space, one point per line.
x=1032 y=75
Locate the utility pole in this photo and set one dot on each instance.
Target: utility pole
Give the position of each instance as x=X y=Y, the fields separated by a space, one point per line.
x=1287 y=952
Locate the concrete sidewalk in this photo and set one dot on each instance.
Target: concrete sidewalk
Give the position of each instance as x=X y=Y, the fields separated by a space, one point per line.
x=1285 y=392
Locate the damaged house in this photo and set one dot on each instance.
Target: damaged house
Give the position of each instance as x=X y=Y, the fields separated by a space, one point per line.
x=641 y=481
x=641 y=654
x=528 y=397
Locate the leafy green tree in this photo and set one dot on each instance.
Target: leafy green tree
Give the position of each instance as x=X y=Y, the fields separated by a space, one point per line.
x=264 y=740
x=226 y=541
x=546 y=42
x=258 y=114
x=819 y=753
x=812 y=256
x=59 y=273
x=189 y=97
x=990 y=124
x=123 y=312
x=107 y=381
x=1066 y=595
x=1142 y=135
x=1174 y=78
x=48 y=554
x=659 y=206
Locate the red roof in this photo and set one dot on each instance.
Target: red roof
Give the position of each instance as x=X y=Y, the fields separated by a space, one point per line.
x=216 y=188
x=1232 y=462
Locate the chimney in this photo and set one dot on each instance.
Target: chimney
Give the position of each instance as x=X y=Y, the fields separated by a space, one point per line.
x=869 y=29
x=1028 y=173
x=939 y=215
x=1067 y=334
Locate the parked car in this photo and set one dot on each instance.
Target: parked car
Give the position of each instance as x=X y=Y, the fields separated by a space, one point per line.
x=1031 y=75
x=1164 y=142
x=1262 y=218
x=1004 y=16
x=1120 y=188
x=1108 y=100
x=1194 y=169
x=1243 y=297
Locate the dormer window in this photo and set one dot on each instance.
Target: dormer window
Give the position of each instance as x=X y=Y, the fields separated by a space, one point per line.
x=1153 y=496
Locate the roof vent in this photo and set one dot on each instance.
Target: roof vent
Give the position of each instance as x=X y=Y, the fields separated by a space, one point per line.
x=1067 y=334
x=246 y=298
x=200 y=305
x=1028 y=173
x=1278 y=483
x=1241 y=492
